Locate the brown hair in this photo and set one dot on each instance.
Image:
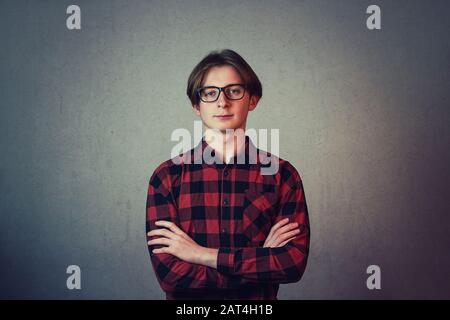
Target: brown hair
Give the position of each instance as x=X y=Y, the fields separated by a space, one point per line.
x=221 y=58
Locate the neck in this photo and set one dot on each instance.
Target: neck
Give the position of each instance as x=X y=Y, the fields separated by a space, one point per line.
x=226 y=143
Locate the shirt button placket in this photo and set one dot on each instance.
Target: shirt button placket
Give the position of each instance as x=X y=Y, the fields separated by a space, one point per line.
x=225 y=202
x=223 y=229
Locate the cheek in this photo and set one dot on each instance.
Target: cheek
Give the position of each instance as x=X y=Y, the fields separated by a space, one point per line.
x=242 y=111
x=205 y=112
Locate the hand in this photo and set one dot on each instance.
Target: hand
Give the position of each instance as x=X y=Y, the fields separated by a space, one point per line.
x=281 y=233
x=180 y=245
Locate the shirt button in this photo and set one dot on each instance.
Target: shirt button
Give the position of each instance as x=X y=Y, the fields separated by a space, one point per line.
x=225 y=173
x=224 y=230
x=225 y=202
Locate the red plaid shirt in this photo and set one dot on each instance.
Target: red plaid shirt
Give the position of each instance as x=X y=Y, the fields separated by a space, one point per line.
x=231 y=207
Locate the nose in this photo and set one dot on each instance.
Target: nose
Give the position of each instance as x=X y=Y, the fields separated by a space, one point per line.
x=222 y=100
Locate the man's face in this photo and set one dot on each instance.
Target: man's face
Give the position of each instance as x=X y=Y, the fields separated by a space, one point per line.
x=235 y=110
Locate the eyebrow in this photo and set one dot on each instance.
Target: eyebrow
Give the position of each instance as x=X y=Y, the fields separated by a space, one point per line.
x=233 y=83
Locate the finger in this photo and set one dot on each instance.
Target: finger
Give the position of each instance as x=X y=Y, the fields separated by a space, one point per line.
x=285 y=236
x=267 y=243
x=269 y=240
x=173 y=228
x=275 y=231
x=277 y=225
x=161 y=232
x=285 y=229
x=285 y=242
x=289 y=234
x=169 y=225
x=161 y=250
x=161 y=241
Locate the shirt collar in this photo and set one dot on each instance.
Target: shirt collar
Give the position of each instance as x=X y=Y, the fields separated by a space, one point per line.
x=243 y=156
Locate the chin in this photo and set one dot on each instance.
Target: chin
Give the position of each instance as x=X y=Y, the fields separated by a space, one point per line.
x=223 y=126
x=227 y=127
x=217 y=125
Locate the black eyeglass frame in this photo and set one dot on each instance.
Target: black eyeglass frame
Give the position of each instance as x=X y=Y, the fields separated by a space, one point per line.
x=222 y=89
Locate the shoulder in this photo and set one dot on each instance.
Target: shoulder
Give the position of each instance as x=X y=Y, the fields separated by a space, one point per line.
x=285 y=168
x=167 y=172
x=289 y=179
x=287 y=173
x=281 y=170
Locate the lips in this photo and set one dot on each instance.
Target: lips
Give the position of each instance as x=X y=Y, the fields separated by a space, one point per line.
x=224 y=116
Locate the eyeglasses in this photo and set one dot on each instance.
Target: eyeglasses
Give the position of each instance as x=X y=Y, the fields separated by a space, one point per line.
x=211 y=93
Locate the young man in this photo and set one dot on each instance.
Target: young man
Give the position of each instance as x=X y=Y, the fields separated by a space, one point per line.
x=222 y=229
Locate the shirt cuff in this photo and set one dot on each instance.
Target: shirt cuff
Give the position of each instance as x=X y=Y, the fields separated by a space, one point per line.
x=225 y=261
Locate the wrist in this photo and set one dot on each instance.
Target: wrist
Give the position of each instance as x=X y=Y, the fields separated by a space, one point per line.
x=208 y=257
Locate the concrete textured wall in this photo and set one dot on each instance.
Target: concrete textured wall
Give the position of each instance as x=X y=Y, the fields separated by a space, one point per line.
x=86 y=116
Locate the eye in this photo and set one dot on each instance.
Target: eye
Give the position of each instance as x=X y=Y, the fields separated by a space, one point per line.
x=208 y=92
x=235 y=90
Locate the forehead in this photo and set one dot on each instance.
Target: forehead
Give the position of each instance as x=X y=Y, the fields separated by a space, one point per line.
x=221 y=76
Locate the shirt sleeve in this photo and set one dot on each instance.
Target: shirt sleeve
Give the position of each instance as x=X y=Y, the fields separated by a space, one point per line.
x=275 y=265
x=174 y=274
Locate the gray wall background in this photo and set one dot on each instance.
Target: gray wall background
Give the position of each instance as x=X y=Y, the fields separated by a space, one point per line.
x=86 y=116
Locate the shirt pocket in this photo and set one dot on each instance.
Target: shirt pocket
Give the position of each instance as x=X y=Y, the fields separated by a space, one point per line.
x=258 y=208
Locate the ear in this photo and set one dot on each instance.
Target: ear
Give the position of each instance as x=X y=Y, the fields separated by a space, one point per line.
x=196 y=109
x=253 y=102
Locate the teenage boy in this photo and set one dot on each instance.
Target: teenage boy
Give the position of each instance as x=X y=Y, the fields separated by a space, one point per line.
x=223 y=229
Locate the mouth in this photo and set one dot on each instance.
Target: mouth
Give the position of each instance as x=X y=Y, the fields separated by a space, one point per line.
x=224 y=117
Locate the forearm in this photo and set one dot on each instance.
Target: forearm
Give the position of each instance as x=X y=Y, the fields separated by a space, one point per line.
x=282 y=265
x=208 y=257
x=175 y=274
x=257 y=264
